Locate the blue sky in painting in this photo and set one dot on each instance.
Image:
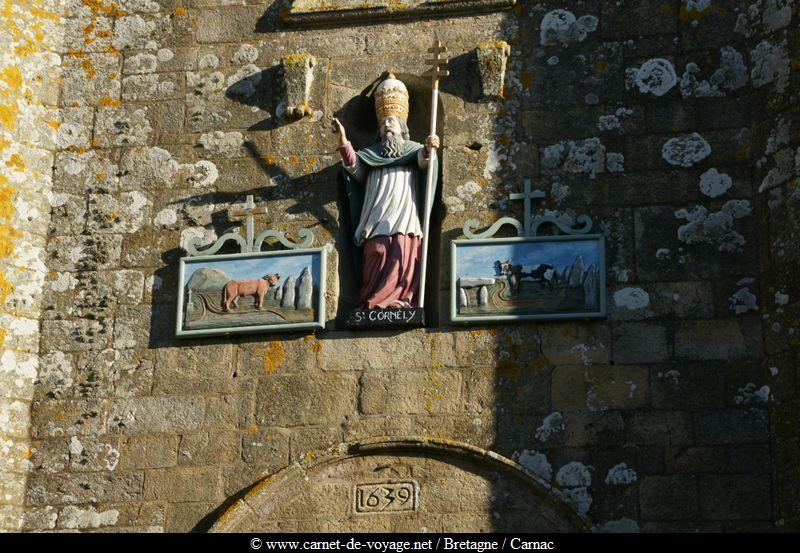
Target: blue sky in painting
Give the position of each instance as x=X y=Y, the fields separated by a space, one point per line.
x=477 y=260
x=245 y=269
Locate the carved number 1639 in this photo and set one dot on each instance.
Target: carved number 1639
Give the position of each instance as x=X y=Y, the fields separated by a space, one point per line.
x=376 y=498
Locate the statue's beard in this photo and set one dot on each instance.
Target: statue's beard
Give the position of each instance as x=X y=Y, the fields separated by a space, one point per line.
x=392 y=145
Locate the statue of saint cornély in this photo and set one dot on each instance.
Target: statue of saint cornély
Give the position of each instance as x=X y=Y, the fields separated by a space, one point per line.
x=386 y=185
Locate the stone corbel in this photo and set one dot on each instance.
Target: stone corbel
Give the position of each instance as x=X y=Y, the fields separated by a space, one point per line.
x=298 y=74
x=492 y=58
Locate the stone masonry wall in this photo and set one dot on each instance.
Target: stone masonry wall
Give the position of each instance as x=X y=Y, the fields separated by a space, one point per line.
x=31 y=128
x=645 y=115
x=774 y=42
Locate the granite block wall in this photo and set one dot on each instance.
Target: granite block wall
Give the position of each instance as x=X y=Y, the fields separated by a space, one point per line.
x=672 y=123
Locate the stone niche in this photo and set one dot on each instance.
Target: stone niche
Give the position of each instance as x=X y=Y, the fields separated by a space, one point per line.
x=324 y=12
x=402 y=485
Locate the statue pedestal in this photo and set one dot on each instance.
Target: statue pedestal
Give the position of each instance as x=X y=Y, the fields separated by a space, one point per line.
x=386 y=318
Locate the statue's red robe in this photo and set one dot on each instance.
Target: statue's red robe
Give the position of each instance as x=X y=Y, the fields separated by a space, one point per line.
x=386 y=200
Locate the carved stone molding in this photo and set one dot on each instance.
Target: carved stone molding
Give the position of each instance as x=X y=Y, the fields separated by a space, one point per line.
x=492 y=58
x=298 y=74
x=323 y=12
x=401 y=483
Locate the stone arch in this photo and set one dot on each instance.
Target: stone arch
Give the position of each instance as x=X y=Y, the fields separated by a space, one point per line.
x=435 y=485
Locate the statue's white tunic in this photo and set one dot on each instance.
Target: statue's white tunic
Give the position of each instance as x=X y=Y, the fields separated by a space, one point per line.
x=390 y=199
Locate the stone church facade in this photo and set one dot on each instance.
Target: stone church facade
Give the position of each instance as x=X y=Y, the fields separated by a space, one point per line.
x=127 y=127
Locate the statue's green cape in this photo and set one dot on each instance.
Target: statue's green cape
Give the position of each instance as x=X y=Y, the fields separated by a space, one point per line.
x=371 y=156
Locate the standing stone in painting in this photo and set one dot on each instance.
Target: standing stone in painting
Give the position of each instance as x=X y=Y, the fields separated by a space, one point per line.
x=576 y=273
x=590 y=288
x=463 y=298
x=287 y=300
x=483 y=295
x=305 y=289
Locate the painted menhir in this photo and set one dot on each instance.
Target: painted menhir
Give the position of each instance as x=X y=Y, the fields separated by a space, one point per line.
x=249 y=293
x=528 y=278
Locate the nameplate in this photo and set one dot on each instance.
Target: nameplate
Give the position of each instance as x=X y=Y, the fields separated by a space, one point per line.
x=368 y=318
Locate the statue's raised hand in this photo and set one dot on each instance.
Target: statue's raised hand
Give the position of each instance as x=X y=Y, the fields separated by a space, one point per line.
x=338 y=129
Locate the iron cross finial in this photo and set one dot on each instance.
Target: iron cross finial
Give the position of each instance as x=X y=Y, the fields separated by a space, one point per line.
x=526 y=196
x=249 y=210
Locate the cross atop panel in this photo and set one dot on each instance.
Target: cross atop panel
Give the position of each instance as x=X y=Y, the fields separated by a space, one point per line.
x=526 y=196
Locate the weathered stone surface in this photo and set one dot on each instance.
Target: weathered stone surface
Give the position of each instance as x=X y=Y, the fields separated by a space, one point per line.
x=408 y=350
x=582 y=430
x=700 y=340
x=147 y=452
x=92 y=78
x=89 y=453
x=567 y=343
x=117 y=214
x=705 y=243
x=156 y=414
x=641 y=343
x=697 y=460
x=86 y=488
x=227 y=24
x=184 y=517
x=410 y=392
x=122 y=127
x=305 y=399
x=679 y=299
x=659 y=428
x=687 y=386
x=56 y=418
x=51 y=456
x=70 y=253
x=133 y=327
x=263 y=446
x=575 y=388
x=179 y=371
x=735 y=497
x=668 y=497
x=731 y=426
x=205 y=448
x=183 y=485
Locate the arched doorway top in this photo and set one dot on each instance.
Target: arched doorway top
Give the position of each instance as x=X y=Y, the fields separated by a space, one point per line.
x=422 y=467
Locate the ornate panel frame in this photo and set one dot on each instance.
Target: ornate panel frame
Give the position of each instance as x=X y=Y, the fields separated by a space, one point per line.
x=597 y=241
x=209 y=301
x=565 y=290
x=329 y=12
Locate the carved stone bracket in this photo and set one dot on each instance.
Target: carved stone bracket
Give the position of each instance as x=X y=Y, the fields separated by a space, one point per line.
x=492 y=59
x=251 y=243
x=298 y=74
x=326 y=12
x=532 y=224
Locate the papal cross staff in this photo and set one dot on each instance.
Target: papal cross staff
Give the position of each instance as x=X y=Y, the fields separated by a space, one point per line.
x=434 y=73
